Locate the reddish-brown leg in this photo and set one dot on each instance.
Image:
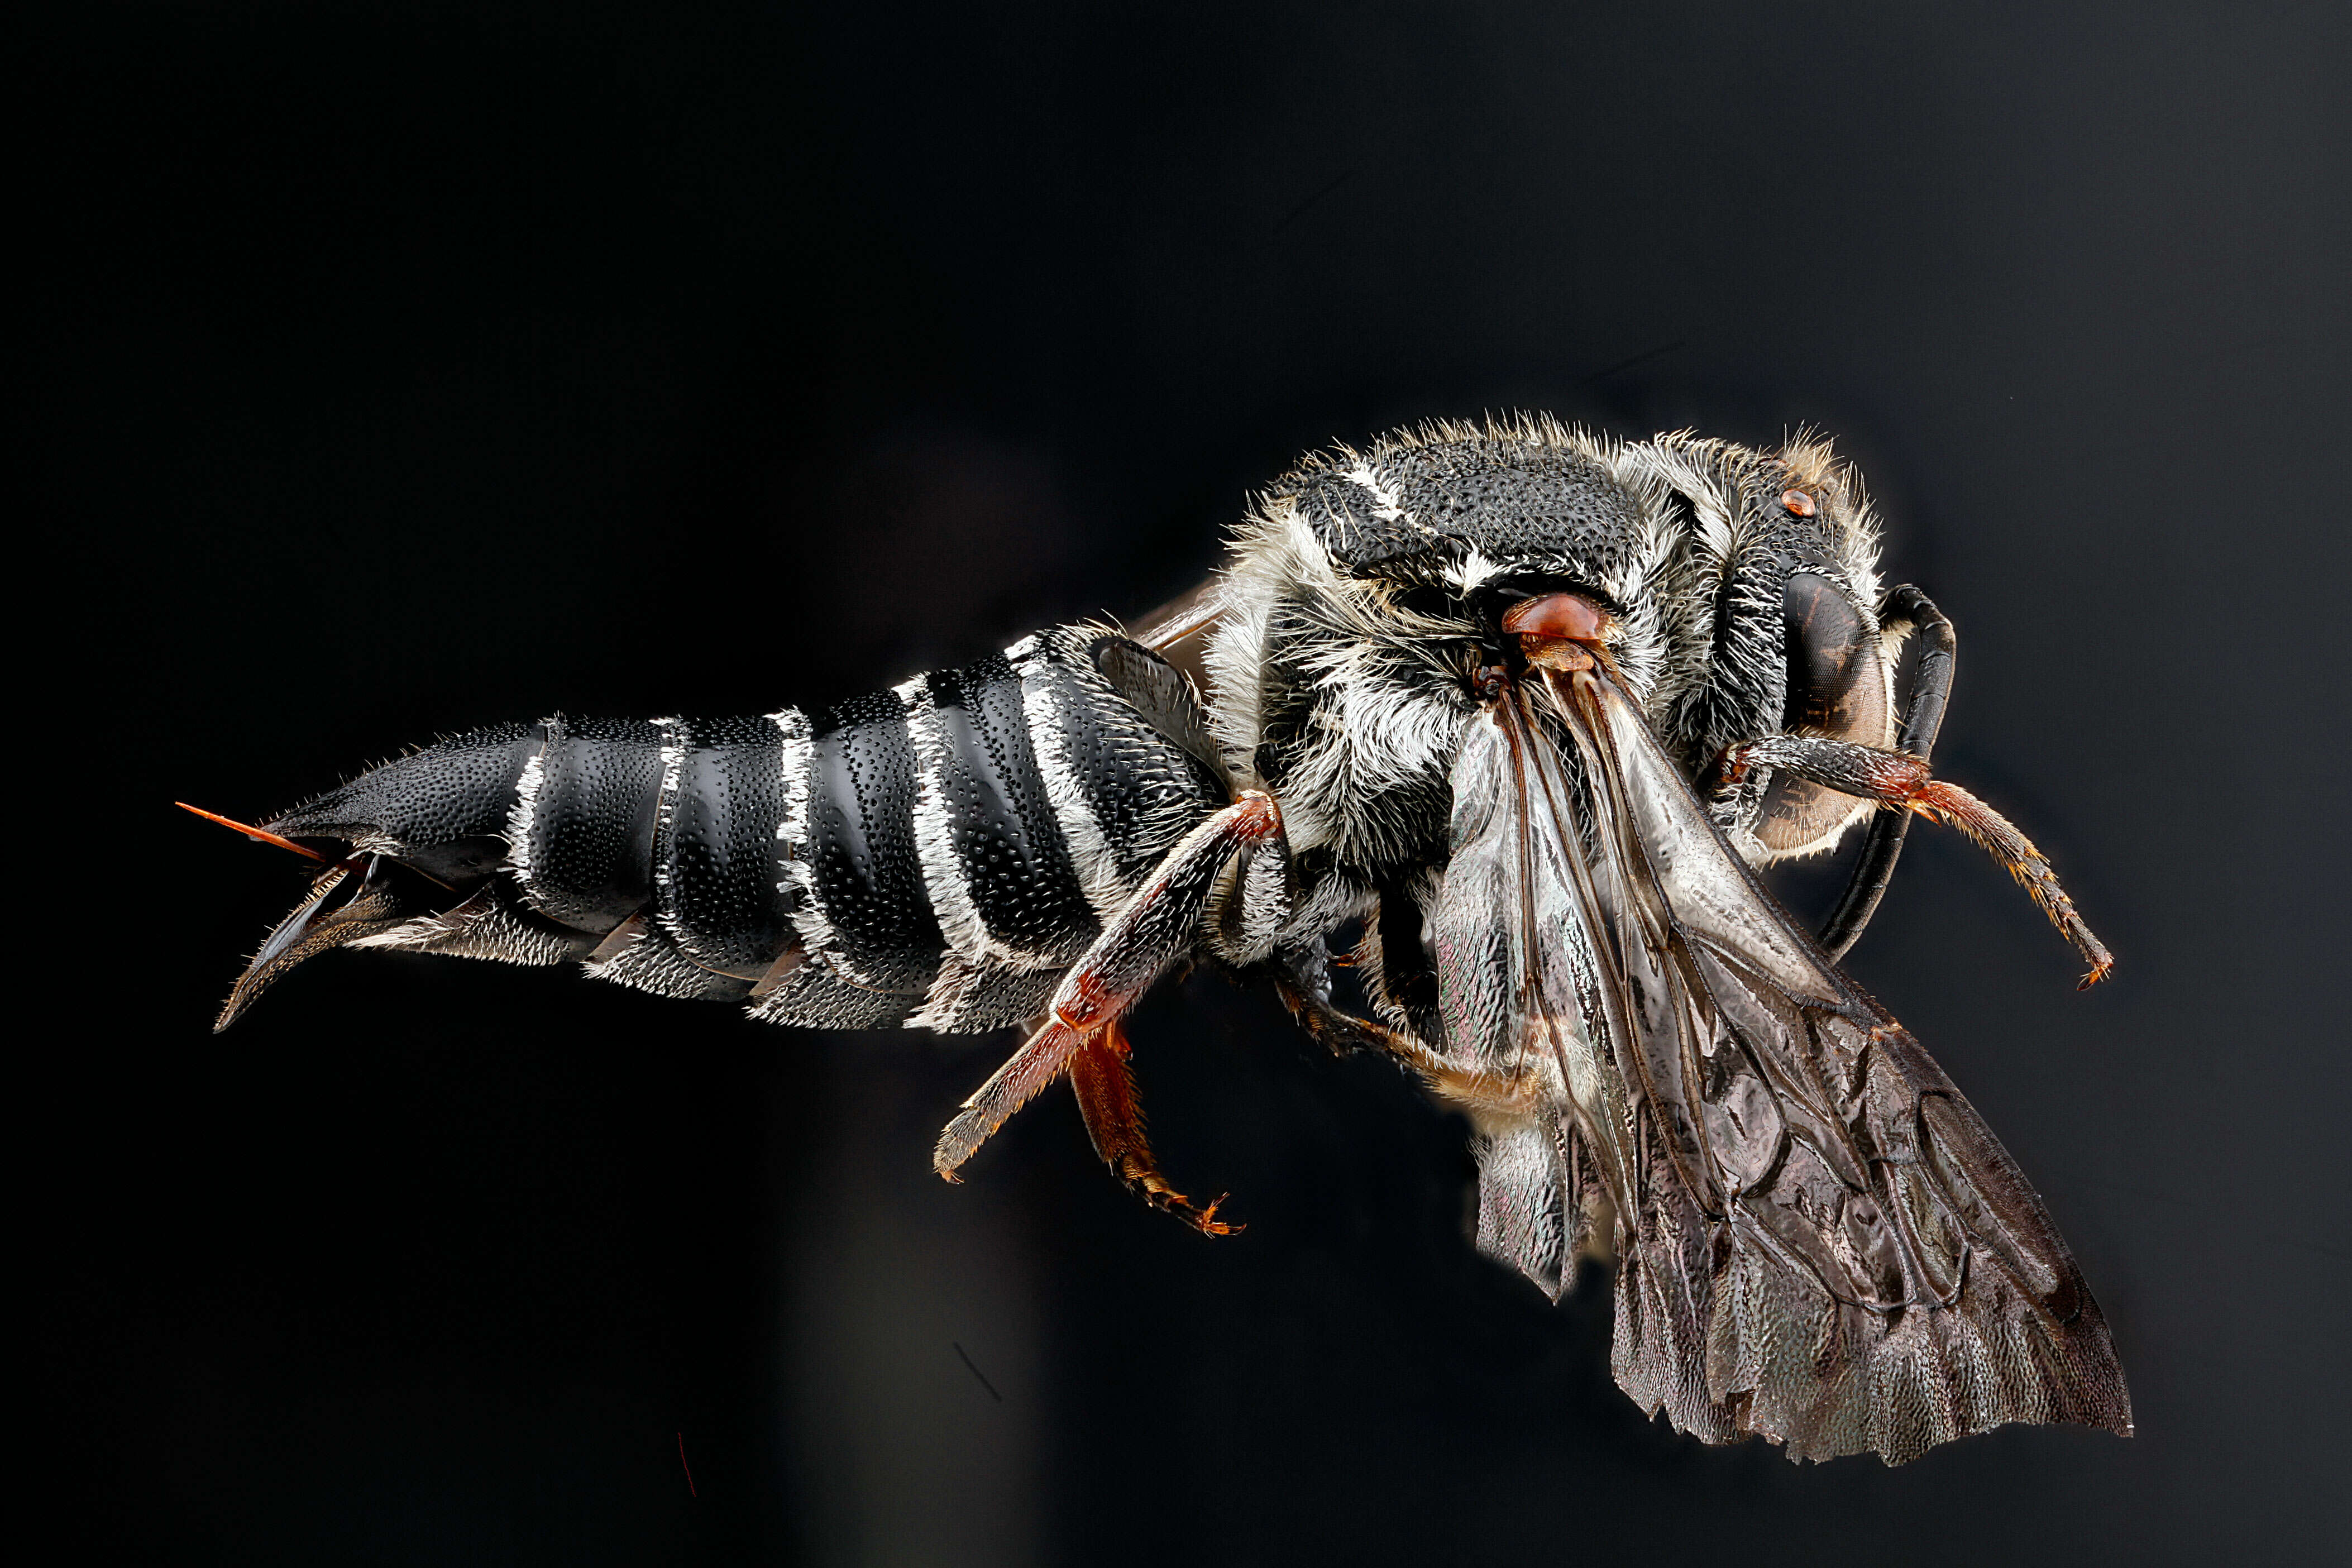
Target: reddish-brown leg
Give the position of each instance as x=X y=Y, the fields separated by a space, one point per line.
x=1894 y=779
x=1100 y=1072
x=1343 y=1033
x=1160 y=925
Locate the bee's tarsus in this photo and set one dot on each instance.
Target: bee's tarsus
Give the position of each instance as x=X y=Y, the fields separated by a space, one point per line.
x=1105 y=1083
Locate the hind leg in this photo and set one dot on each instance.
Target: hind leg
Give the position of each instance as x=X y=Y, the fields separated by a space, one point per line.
x=1105 y=1080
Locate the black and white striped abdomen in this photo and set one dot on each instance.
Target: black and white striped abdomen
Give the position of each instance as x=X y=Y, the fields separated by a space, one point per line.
x=934 y=856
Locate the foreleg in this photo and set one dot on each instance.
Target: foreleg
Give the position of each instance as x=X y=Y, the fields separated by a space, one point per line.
x=1901 y=782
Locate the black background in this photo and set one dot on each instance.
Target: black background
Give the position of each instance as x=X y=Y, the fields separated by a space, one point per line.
x=405 y=368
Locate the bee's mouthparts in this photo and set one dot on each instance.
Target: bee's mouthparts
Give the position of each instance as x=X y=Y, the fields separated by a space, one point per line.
x=1559 y=631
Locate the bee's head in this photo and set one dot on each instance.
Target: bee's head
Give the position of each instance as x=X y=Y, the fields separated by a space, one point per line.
x=1772 y=623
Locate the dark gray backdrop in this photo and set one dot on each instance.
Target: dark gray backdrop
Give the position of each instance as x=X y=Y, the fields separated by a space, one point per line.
x=400 y=369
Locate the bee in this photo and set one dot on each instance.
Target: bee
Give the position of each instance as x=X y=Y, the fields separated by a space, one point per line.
x=1527 y=707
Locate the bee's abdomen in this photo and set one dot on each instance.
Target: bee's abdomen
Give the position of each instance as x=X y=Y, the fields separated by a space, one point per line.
x=714 y=885
x=953 y=845
x=582 y=839
x=932 y=856
x=865 y=932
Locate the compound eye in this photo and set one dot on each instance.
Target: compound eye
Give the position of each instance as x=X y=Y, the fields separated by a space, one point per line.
x=1837 y=674
x=1838 y=687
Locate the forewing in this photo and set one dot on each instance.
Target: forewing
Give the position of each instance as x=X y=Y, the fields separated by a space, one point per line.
x=1818 y=1239
x=1517 y=983
x=1179 y=630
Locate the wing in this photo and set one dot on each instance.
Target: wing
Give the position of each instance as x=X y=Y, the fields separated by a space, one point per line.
x=1818 y=1239
x=1179 y=630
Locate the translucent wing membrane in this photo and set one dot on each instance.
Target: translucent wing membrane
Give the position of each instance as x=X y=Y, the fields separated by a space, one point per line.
x=1818 y=1239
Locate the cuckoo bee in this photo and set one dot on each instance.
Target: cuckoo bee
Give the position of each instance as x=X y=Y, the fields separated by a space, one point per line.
x=1527 y=707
